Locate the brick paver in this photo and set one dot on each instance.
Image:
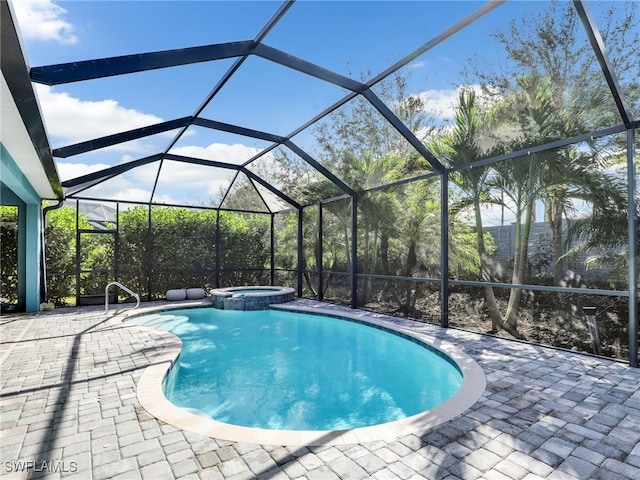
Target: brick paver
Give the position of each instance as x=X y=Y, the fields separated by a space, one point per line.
x=68 y=409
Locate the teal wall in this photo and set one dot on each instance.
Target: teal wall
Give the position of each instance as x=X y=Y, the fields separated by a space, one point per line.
x=16 y=190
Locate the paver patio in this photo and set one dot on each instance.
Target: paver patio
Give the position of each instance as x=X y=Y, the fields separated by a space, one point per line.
x=68 y=409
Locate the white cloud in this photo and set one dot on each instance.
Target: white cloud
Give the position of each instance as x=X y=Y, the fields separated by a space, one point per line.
x=71 y=120
x=219 y=152
x=43 y=20
x=68 y=170
x=178 y=183
x=442 y=103
x=120 y=187
x=133 y=194
x=196 y=181
x=211 y=181
x=433 y=62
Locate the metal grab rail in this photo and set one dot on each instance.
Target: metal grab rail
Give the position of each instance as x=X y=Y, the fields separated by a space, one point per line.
x=118 y=284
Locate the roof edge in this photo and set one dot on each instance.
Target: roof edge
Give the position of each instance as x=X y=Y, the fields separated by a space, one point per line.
x=16 y=73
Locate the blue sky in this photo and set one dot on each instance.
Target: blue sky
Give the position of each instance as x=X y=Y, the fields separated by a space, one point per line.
x=347 y=37
x=350 y=38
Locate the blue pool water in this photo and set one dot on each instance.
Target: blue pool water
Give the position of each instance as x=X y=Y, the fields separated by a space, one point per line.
x=248 y=291
x=291 y=371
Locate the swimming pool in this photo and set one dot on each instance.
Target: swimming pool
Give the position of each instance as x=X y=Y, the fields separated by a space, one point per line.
x=291 y=371
x=338 y=392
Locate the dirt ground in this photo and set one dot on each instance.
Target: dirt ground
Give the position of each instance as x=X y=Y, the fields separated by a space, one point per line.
x=541 y=320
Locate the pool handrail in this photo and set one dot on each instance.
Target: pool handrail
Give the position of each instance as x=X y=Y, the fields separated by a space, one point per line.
x=118 y=284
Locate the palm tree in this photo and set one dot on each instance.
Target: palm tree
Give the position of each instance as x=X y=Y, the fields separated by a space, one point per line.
x=472 y=139
x=377 y=209
x=551 y=45
x=419 y=228
x=603 y=234
x=558 y=176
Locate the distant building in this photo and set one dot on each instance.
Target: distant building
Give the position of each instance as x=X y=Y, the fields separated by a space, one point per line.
x=540 y=253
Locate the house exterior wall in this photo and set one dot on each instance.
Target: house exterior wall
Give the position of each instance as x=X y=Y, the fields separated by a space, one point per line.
x=17 y=191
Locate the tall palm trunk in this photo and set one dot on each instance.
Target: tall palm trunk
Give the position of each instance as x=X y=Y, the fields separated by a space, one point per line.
x=554 y=218
x=384 y=253
x=523 y=230
x=411 y=264
x=485 y=271
x=384 y=261
x=347 y=247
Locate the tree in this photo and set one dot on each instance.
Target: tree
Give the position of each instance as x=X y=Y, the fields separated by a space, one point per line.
x=134 y=249
x=522 y=181
x=554 y=175
x=603 y=237
x=359 y=129
x=551 y=48
x=180 y=250
x=8 y=254
x=244 y=247
x=419 y=231
x=376 y=210
x=60 y=252
x=363 y=149
x=473 y=138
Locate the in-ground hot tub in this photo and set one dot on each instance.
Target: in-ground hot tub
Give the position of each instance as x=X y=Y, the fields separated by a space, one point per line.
x=250 y=298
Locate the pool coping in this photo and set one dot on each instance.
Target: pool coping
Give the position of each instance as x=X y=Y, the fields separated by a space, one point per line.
x=252 y=297
x=151 y=397
x=256 y=290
